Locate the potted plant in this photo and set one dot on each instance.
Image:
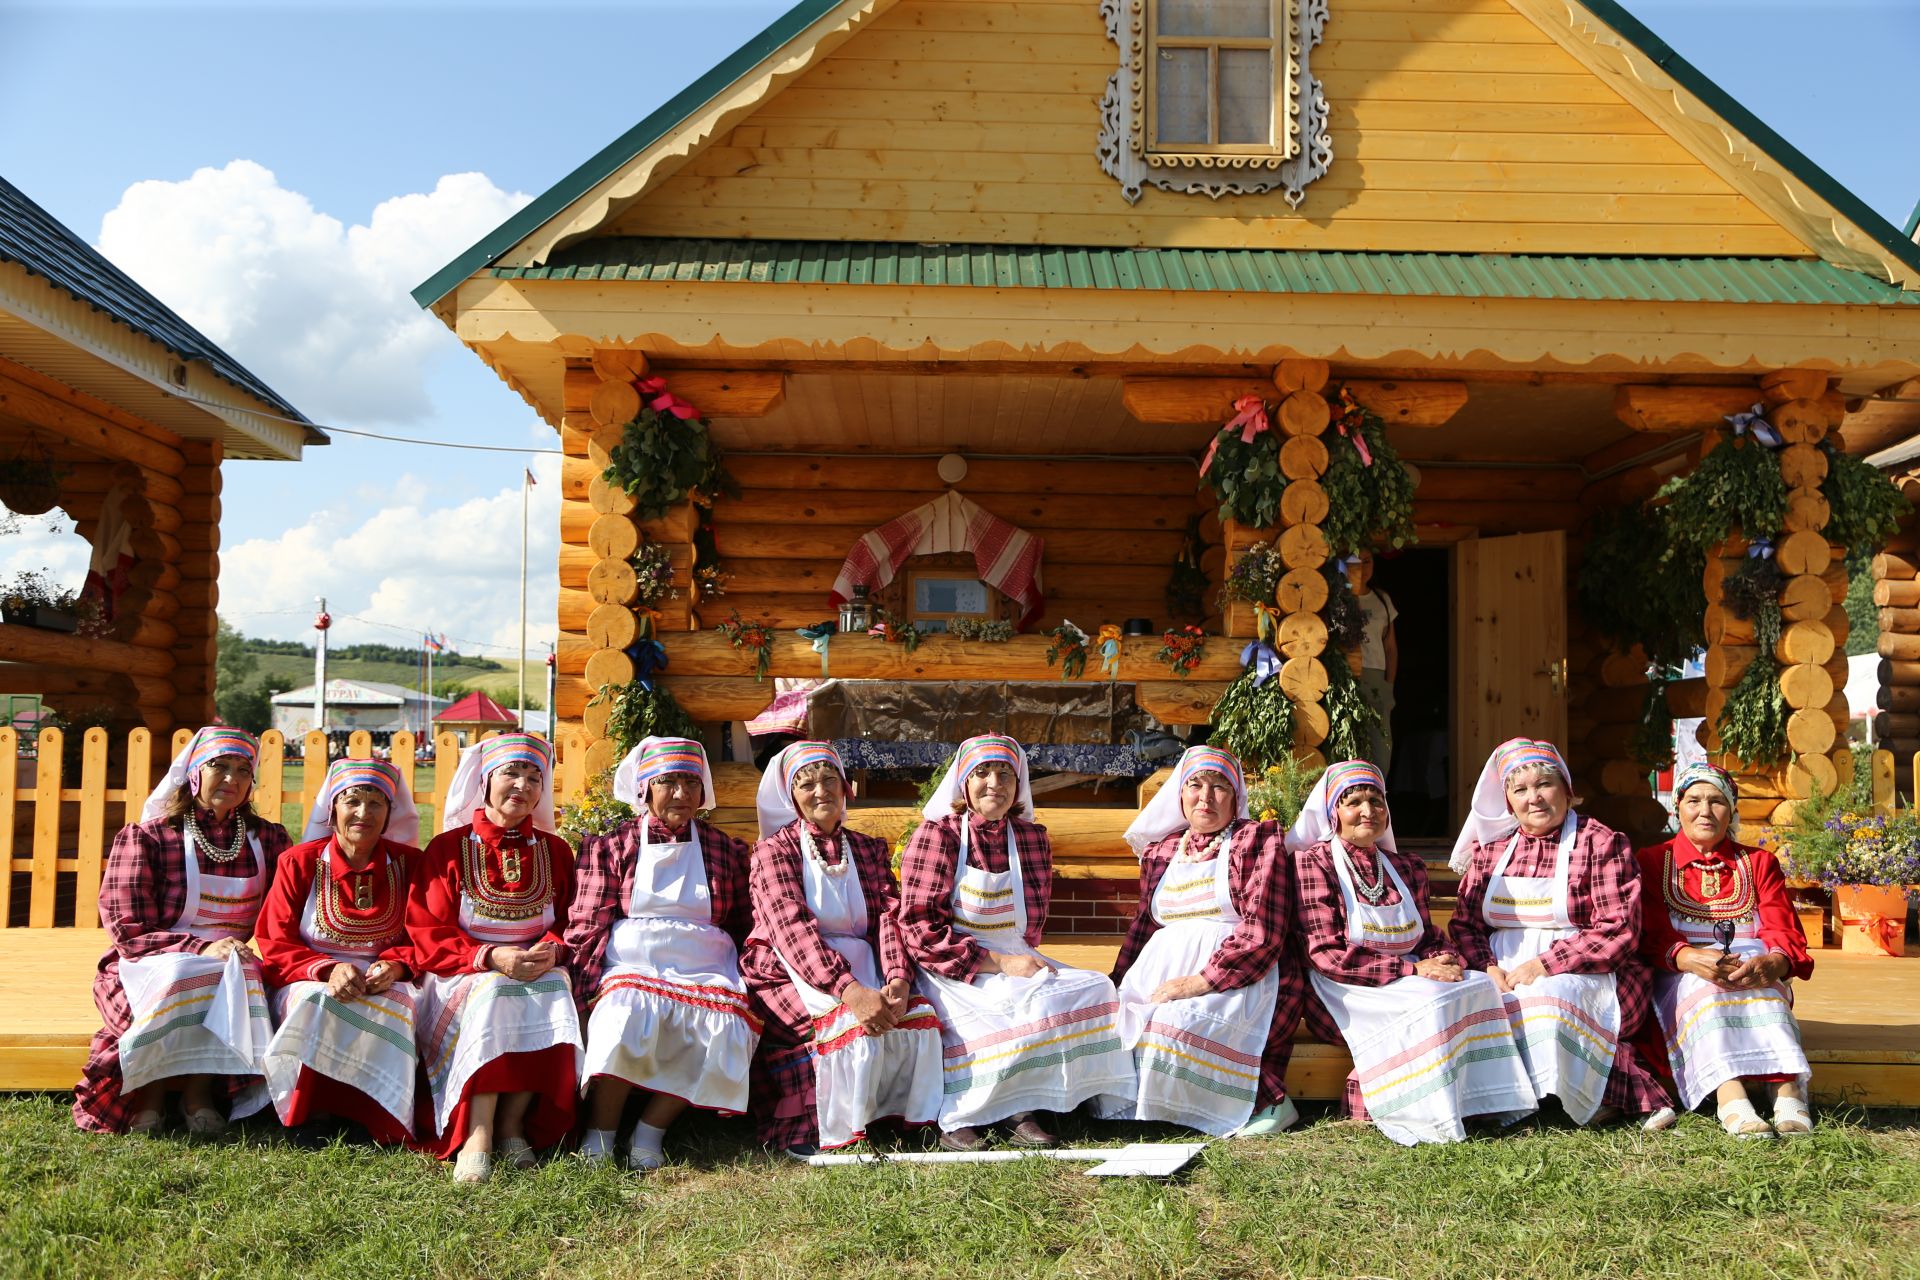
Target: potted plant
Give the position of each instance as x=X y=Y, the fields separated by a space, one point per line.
x=33 y=600
x=30 y=485
x=1869 y=862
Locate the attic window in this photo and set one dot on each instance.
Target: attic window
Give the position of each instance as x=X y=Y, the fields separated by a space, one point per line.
x=1215 y=97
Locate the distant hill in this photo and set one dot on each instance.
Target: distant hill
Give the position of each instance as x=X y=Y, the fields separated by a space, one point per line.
x=502 y=685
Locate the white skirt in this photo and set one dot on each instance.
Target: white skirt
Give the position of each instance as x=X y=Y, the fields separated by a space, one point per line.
x=366 y=1044
x=1714 y=1035
x=1428 y=1054
x=468 y=1020
x=1566 y=1024
x=1196 y=1061
x=195 y=1015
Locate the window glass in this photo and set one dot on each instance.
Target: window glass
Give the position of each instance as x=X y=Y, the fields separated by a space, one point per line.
x=949 y=595
x=1233 y=18
x=1246 y=95
x=1181 y=96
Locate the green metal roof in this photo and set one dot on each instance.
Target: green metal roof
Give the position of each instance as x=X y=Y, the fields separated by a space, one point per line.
x=689 y=100
x=1439 y=275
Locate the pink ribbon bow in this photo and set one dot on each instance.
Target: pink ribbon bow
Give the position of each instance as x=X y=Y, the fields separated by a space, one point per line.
x=1359 y=443
x=1249 y=418
x=664 y=401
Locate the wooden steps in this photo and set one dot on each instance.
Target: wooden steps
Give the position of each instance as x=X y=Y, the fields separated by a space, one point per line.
x=1859 y=1016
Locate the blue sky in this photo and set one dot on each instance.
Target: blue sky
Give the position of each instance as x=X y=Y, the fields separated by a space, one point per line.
x=318 y=148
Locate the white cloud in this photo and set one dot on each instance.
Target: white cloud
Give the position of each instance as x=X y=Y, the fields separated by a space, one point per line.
x=391 y=557
x=318 y=309
x=47 y=545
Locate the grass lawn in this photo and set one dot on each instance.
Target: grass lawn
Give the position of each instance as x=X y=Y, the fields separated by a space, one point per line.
x=1329 y=1200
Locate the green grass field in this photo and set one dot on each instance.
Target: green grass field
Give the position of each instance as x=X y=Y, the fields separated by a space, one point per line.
x=1329 y=1200
x=502 y=686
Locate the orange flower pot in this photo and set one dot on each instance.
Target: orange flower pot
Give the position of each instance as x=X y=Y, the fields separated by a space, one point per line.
x=1873 y=918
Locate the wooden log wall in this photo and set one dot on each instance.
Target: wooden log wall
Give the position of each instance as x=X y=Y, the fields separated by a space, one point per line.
x=1896 y=592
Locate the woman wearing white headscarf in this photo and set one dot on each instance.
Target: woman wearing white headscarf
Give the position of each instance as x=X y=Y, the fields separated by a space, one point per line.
x=333 y=946
x=660 y=910
x=1725 y=944
x=499 y=1034
x=1023 y=1033
x=1429 y=1039
x=1549 y=908
x=1210 y=992
x=844 y=1039
x=178 y=898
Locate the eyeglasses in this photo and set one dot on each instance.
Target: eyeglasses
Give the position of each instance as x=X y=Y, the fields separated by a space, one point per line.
x=676 y=786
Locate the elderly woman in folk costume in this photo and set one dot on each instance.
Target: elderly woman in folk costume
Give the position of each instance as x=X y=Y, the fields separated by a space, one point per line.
x=1429 y=1038
x=1549 y=908
x=1022 y=1032
x=660 y=910
x=1724 y=941
x=1209 y=990
x=333 y=945
x=483 y=913
x=180 y=992
x=845 y=1041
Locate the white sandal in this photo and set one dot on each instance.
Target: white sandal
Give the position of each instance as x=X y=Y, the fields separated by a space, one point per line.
x=518 y=1152
x=206 y=1122
x=473 y=1166
x=1660 y=1121
x=1742 y=1121
x=1791 y=1117
x=146 y=1123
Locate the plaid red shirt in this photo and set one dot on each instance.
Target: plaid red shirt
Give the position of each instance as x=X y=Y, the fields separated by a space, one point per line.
x=287 y=955
x=144 y=885
x=927 y=871
x=440 y=945
x=603 y=883
x=1778 y=925
x=1260 y=885
x=783 y=922
x=1320 y=912
x=1603 y=899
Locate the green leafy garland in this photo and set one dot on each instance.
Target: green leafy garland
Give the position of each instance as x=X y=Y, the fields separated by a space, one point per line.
x=1737 y=486
x=661 y=459
x=1866 y=506
x=753 y=637
x=642 y=712
x=1069 y=649
x=1636 y=587
x=1369 y=493
x=1254 y=720
x=1246 y=479
x=1351 y=719
x=1186 y=591
x=1652 y=742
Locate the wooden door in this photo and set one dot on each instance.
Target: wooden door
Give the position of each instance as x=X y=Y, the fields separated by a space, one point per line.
x=1509 y=646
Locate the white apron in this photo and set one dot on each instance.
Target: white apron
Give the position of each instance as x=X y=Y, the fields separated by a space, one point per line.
x=1044 y=1043
x=1426 y=1054
x=1715 y=1035
x=193 y=1014
x=1197 y=1060
x=671 y=1013
x=859 y=1078
x=1567 y=1024
x=469 y=1019
x=366 y=1044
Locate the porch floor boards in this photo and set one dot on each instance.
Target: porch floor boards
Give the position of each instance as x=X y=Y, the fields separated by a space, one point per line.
x=1860 y=1017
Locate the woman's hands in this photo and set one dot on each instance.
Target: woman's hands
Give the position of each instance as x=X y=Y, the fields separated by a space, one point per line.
x=1445 y=967
x=1518 y=976
x=219 y=947
x=1194 y=984
x=346 y=982
x=1732 y=972
x=1017 y=966
x=523 y=963
x=878 y=1010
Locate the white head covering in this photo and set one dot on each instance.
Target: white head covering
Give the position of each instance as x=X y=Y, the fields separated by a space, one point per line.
x=1316 y=822
x=988 y=748
x=1163 y=815
x=208 y=743
x=468 y=790
x=775 y=798
x=656 y=758
x=1488 y=817
x=403 y=820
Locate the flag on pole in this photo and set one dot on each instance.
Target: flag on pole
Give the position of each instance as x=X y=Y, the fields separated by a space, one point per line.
x=437 y=644
x=530 y=480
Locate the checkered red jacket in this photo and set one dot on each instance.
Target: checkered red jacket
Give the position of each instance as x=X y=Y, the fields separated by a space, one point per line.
x=603 y=882
x=783 y=923
x=927 y=871
x=1260 y=885
x=1603 y=899
x=1320 y=917
x=144 y=885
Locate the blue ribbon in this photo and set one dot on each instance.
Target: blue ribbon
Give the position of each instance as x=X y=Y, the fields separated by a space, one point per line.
x=1755 y=421
x=1263 y=660
x=649 y=658
x=820 y=634
x=1761 y=550
x=1110 y=658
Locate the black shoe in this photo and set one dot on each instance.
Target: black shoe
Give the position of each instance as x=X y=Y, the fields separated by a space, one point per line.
x=963 y=1140
x=1028 y=1133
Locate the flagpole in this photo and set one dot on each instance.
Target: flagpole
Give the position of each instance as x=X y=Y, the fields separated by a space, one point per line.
x=526 y=492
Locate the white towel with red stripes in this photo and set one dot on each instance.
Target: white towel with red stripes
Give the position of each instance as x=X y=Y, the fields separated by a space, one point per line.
x=1007 y=557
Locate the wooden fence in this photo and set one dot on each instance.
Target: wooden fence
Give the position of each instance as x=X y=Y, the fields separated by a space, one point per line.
x=58 y=834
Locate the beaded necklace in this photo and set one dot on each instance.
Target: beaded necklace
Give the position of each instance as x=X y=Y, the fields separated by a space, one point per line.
x=371 y=919
x=838 y=840
x=513 y=894
x=211 y=851
x=1740 y=901
x=1207 y=852
x=1371 y=894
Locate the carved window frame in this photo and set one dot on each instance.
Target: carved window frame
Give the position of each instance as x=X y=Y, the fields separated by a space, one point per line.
x=1301 y=149
x=1283 y=124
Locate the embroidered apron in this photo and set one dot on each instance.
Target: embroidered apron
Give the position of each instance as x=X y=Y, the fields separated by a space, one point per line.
x=469 y=1019
x=859 y=1078
x=1426 y=1054
x=671 y=1013
x=1043 y=1043
x=1197 y=1060
x=193 y=1014
x=1567 y=1024
x=366 y=1044
x=1714 y=1035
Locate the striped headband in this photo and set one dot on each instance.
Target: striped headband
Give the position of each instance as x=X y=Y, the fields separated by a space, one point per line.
x=217 y=740
x=801 y=754
x=1517 y=753
x=1345 y=775
x=513 y=748
x=1721 y=780
x=344 y=775
x=1200 y=759
x=669 y=755
x=987 y=749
